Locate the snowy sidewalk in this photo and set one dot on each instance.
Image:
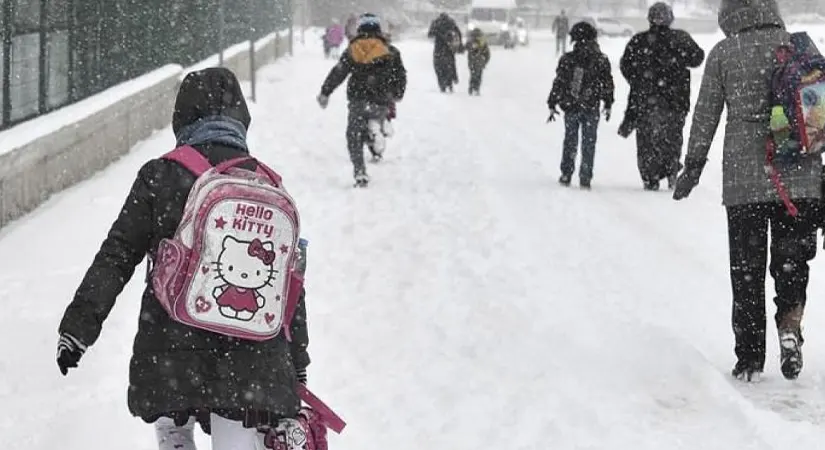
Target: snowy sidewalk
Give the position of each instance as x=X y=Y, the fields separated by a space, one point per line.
x=463 y=301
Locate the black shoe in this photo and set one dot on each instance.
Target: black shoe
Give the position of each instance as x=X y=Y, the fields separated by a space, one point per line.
x=584 y=184
x=790 y=346
x=747 y=371
x=671 y=182
x=361 y=178
x=651 y=185
x=564 y=180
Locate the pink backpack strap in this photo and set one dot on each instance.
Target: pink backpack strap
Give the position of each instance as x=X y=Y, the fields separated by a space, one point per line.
x=776 y=179
x=190 y=158
x=333 y=421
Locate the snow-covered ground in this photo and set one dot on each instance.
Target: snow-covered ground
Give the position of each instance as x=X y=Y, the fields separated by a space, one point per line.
x=463 y=301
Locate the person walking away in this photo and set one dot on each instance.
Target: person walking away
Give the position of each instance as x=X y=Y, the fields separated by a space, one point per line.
x=351 y=27
x=583 y=83
x=377 y=80
x=447 y=42
x=178 y=372
x=656 y=64
x=478 y=56
x=333 y=38
x=561 y=26
x=737 y=77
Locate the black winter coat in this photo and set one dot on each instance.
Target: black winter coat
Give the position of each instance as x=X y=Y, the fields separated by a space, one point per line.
x=375 y=69
x=583 y=80
x=478 y=54
x=656 y=64
x=177 y=370
x=445 y=33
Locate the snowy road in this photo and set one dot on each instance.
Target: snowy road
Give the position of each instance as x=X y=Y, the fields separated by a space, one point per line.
x=463 y=301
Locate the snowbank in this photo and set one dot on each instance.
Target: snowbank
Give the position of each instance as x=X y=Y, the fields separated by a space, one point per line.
x=45 y=155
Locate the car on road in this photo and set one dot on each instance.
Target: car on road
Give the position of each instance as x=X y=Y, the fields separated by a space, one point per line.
x=610 y=27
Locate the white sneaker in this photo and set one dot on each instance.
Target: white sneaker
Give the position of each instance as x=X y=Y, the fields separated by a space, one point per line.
x=378 y=141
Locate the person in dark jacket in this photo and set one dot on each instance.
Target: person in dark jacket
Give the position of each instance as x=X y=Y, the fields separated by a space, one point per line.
x=478 y=56
x=377 y=81
x=738 y=78
x=561 y=26
x=448 y=41
x=583 y=83
x=179 y=372
x=656 y=64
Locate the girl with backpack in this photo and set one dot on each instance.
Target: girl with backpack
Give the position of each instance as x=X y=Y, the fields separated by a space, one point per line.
x=738 y=74
x=180 y=373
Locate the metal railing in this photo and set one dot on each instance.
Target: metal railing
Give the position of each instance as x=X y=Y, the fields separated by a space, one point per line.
x=57 y=52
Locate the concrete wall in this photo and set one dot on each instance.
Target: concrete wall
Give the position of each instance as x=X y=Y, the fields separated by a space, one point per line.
x=52 y=152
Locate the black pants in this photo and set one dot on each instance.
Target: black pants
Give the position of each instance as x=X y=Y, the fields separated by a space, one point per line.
x=659 y=144
x=475 y=78
x=445 y=68
x=586 y=122
x=358 y=134
x=793 y=244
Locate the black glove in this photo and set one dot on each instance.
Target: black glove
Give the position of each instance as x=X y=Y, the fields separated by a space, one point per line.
x=302 y=376
x=607 y=113
x=323 y=101
x=553 y=114
x=689 y=178
x=69 y=351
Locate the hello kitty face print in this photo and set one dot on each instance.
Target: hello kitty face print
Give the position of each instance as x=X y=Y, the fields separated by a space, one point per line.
x=288 y=435
x=243 y=268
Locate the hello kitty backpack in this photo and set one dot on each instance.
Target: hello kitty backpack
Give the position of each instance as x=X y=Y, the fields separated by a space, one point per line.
x=229 y=267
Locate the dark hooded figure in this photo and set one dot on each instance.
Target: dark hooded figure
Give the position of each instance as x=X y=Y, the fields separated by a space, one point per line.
x=656 y=64
x=583 y=84
x=178 y=372
x=738 y=78
x=448 y=41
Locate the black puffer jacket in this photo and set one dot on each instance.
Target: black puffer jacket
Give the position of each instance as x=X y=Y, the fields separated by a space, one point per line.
x=375 y=69
x=177 y=370
x=656 y=64
x=583 y=80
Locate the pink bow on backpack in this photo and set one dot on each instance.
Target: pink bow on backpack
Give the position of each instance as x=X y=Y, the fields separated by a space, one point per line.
x=257 y=250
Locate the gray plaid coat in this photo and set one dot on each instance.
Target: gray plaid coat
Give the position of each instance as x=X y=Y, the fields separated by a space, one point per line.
x=737 y=76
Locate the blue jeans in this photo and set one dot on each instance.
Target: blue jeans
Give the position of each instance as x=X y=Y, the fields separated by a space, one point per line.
x=588 y=122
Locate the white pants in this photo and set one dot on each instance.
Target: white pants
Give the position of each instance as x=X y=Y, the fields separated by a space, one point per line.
x=226 y=435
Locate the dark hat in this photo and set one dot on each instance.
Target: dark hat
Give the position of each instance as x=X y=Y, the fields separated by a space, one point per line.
x=660 y=14
x=582 y=32
x=210 y=92
x=369 y=23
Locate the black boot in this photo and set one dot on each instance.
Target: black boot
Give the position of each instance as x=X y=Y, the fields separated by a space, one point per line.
x=747 y=371
x=790 y=347
x=651 y=185
x=789 y=326
x=564 y=180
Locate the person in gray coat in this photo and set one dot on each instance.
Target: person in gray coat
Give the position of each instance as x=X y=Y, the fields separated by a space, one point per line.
x=737 y=75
